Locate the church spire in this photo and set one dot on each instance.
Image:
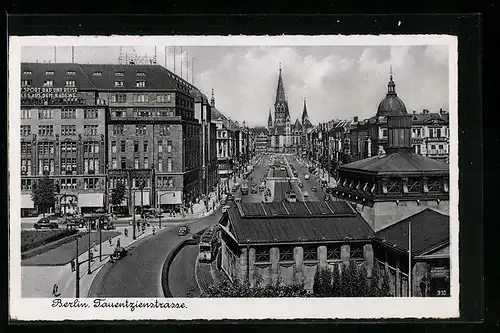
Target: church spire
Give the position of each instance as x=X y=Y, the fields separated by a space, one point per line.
x=391 y=86
x=212 y=100
x=304 y=111
x=280 y=92
x=269 y=120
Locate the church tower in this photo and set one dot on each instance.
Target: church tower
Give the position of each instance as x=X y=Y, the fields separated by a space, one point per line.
x=280 y=105
x=212 y=100
x=304 y=112
x=269 y=121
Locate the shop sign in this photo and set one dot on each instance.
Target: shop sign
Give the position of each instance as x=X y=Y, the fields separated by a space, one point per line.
x=440 y=272
x=50 y=95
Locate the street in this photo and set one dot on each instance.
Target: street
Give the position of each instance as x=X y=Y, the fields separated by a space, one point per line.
x=139 y=273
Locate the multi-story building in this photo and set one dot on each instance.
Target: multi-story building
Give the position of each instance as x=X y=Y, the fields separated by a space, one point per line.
x=261 y=136
x=62 y=136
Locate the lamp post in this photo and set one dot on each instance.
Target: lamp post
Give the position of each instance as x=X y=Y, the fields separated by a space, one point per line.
x=159 y=209
x=90 y=233
x=77 y=270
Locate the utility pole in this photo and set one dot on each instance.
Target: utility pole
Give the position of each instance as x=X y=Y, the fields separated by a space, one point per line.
x=90 y=249
x=133 y=216
x=77 y=270
x=100 y=241
x=409 y=259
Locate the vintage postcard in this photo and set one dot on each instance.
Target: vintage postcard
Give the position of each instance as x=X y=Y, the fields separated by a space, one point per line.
x=244 y=177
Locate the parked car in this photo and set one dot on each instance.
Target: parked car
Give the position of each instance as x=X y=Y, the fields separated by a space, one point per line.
x=300 y=184
x=46 y=223
x=225 y=208
x=237 y=200
x=262 y=187
x=183 y=230
x=306 y=177
x=254 y=189
x=328 y=197
x=283 y=168
x=305 y=194
x=234 y=188
x=314 y=189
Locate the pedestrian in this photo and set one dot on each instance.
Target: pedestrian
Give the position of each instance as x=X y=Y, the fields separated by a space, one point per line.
x=192 y=210
x=73 y=268
x=110 y=242
x=126 y=233
x=94 y=248
x=154 y=231
x=118 y=242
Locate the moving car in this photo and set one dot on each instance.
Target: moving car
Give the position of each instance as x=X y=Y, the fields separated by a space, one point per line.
x=291 y=197
x=237 y=200
x=306 y=177
x=254 y=188
x=46 y=223
x=234 y=188
x=183 y=231
x=314 y=189
x=262 y=187
x=305 y=194
x=283 y=168
x=300 y=184
x=225 y=208
x=244 y=189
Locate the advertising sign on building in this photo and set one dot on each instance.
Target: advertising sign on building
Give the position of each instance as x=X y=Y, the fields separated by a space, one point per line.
x=440 y=272
x=50 y=96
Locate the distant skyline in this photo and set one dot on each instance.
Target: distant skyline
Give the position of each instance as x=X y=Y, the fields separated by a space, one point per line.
x=338 y=81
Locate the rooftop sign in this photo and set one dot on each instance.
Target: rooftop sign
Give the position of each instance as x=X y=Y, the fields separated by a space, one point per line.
x=50 y=96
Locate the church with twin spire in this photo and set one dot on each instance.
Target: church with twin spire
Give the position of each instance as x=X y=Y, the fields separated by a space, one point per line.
x=286 y=137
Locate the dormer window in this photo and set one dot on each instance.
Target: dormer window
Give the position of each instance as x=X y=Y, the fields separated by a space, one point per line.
x=27 y=73
x=118 y=73
x=97 y=74
x=49 y=73
x=25 y=83
x=48 y=83
x=70 y=73
x=140 y=84
x=140 y=74
x=70 y=83
x=119 y=83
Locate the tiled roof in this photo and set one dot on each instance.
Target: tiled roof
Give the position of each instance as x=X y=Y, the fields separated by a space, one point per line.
x=296 y=209
x=103 y=76
x=397 y=162
x=259 y=130
x=429 y=229
x=421 y=118
x=291 y=229
x=216 y=114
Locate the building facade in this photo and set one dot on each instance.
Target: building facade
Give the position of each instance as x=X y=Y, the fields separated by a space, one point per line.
x=62 y=136
x=261 y=137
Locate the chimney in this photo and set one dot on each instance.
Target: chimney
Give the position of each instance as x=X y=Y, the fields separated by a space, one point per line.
x=426 y=111
x=355 y=119
x=414 y=112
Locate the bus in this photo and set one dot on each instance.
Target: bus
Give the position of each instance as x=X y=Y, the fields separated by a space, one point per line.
x=208 y=245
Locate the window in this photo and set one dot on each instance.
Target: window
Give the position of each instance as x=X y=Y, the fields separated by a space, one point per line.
x=433 y=147
x=97 y=73
x=123 y=146
x=49 y=72
x=25 y=114
x=165 y=130
x=70 y=83
x=68 y=165
x=140 y=129
x=91 y=114
x=68 y=113
x=434 y=184
x=26 y=167
x=160 y=147
x=27 y=72
x=262 y=255
x=146 y=163
x=384 y=133
x=25 y=83
x=438 y=132
x=25 y=147
x=48 y=83
x=136 y=146
x=45 y=114
x=45 y=130
x=68 y=146
x=169 y=146
x=162 y=98
x=140 y=84
x=431 y=132
x=413 y=185
x=123 y=163
x=160 y=164
x=113 y=147
x=333 y=253
x=70 y=73
x=310 y=253
x=140 y=98
x=446 y=131
x=91 y=183
x=118 y=98
x=91 y=147
x=394 y=185
x=26 y=184
x=119 y=113
x=357 y=252
x=136 y=162
x=145 y=146
x=68 y=130
x=90 y=130
x=45 y=166
x=117 y=129
x=90 y=165
x=118 y=73
x=140 y=74
x=119 y=83
x=286 y=254
x=170 y=182
x=169 y=164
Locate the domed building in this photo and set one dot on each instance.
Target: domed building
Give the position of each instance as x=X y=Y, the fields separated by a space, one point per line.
x=391 y=104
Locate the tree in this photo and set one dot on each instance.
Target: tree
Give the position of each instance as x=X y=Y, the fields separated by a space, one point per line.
x=375 y=283
x=336 y=281
x=386 y=286
x=363 y=289
x=42 y=194
x=118 y=194
x=323 y=283
x=226 y=288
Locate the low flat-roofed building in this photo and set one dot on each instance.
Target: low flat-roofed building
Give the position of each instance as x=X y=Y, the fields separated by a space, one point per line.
x=292 y=240
x=430 y=241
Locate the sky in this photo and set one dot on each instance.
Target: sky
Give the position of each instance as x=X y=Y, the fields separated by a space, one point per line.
x=339 y=82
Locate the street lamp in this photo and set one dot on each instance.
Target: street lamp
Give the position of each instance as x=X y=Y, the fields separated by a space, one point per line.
x=159 y=208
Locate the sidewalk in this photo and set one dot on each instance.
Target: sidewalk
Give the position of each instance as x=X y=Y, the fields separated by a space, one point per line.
x=37 y=281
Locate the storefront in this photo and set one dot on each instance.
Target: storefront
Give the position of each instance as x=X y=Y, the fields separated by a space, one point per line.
x=170 y=200
x=90 y=202
x=27 y=206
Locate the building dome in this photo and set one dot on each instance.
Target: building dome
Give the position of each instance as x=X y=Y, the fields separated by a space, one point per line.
x=391 y=104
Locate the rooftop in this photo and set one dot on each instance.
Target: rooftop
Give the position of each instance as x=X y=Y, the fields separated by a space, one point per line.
x=429 y=229
x=397 y=163
x=297 y=222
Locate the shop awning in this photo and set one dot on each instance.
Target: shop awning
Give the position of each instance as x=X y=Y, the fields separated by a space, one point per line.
x=91 y=200
x=170 y=198
x=145 y=198
x=26 y=201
